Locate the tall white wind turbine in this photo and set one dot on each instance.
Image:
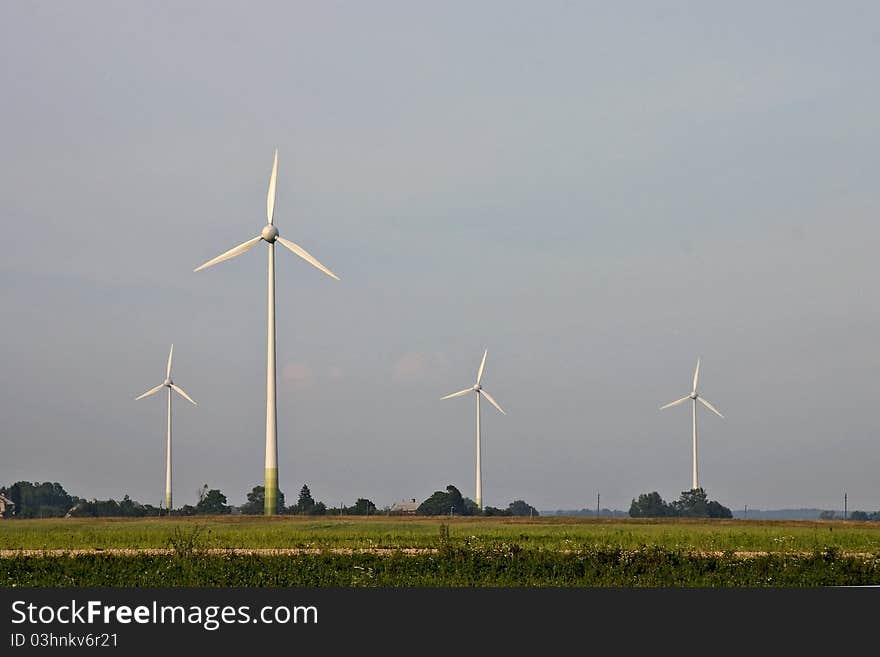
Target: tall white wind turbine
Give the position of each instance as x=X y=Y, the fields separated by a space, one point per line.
x=168 y=383
x=478 y=391
x=694 y=397
x=270 y=235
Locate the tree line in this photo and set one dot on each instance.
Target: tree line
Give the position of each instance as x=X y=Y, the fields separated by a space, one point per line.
x=50 y=500
x=451 y=502
x=691 y=504
x=695 y=504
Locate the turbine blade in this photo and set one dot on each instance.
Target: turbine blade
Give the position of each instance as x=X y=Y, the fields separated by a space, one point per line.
x=176 y=388
x=492 y=401
x=305 y=255
x=151 y=392
x=482 y=365
x=710 y=407
x=676 y=402
x=168 y=369
x=458 y=394
x=231 y=253
x=696 y=374
x=270 y=198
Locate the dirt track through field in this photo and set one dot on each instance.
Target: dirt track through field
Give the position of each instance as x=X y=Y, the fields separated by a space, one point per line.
x=254 y=551
x=742 y=554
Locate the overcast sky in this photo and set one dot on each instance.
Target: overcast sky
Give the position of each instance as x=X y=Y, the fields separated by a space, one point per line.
x=598 y=193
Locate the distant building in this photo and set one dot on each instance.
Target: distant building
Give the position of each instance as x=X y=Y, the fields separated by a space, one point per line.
x=404 y=508
x=6 y=504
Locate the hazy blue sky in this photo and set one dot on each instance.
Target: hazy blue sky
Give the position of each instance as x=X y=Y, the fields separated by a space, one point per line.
x=597 y=192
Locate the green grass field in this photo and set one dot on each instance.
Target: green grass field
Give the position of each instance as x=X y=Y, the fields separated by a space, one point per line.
x=407 y=552
x=547 y=533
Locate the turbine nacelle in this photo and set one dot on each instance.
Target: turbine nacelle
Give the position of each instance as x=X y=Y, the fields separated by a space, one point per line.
x=478 y=388
x=270 y=235
x=168 y=383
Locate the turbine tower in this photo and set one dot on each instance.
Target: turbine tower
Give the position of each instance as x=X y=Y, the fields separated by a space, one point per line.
x=270 y=235
x=478 y=391
x=694 y=397
x=168 y=383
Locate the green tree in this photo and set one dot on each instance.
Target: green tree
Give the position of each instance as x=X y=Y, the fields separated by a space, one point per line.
x=456 y=501
x=436 y=505
x=306 y=502
x=718 y=510
x=363 y=507
x=650 y=505
x=858 y=515
x=493 y=511
x=441 y=503
x=692 y=504
x=213 y=502
x=306 y=505
x=128 y=508
x=255 y=504
x=521 y=508
x=255 y=501
x=40 y=500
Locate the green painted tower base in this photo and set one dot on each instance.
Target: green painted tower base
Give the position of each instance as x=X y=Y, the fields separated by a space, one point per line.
x=271 y=492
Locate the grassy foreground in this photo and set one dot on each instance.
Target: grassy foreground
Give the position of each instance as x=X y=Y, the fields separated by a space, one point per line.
x=549 y=533
x=408 y=552
x=503 y=565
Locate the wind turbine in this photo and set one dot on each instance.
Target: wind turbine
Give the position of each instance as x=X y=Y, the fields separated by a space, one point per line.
x=694 y=397
x=270 y=235
x=478 y=391
x=168 y=383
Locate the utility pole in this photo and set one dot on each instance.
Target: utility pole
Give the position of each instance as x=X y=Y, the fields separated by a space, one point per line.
x=844 y=506
x=598 y=497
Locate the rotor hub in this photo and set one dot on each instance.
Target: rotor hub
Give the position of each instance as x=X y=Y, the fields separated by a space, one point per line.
x=693 y=395
x=269 y=233
x=477 y=387
x=168 y=381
